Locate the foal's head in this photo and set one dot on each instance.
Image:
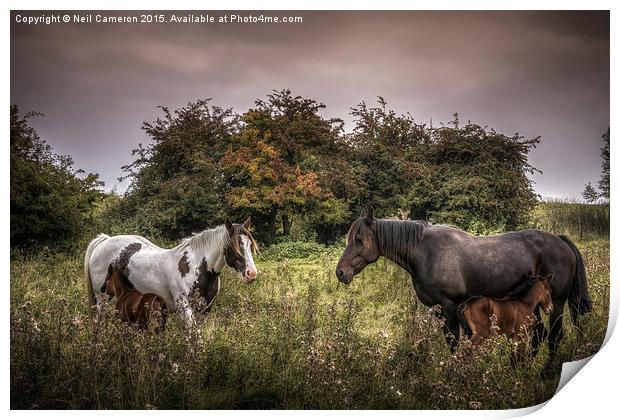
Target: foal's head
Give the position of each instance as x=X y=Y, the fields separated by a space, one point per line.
x=541 y=291
x=239 y=252
x=115 y=281
x=362 y=247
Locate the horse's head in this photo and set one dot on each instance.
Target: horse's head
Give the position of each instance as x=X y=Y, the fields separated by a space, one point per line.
x=542 y=289
x=114 y=282
x=239 y=251
x=362 y=247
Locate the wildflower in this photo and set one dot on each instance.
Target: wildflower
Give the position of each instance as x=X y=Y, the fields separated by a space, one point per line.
x=175 y=368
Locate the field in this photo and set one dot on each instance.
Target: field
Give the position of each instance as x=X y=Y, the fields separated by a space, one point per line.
x=296 y=338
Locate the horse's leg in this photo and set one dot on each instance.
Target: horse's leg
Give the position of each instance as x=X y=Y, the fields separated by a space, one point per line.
x=451 y=326
x=99 y=302
x=185 y=311
x=555 y=336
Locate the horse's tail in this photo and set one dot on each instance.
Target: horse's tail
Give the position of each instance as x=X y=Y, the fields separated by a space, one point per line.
x=460 y=314
x=579 y=301
x=89 y=284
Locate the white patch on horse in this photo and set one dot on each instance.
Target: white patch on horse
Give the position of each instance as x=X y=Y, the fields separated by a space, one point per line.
x=250 y=268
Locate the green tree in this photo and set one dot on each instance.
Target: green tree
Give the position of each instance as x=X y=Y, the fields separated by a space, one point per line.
x=388 y=148
x=476 y=179
x=591 y=194
x=468 y=176
x=176 y=182
x=51 y=203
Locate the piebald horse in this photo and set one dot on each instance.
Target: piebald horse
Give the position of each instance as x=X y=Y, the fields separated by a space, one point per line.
x=174 y=274
x=447 y=266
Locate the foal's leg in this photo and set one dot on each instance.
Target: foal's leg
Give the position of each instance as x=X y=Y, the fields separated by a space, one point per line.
x=555 y=336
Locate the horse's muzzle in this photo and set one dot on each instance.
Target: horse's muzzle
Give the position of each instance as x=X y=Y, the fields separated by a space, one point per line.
x=344 y=277
x=248 y=280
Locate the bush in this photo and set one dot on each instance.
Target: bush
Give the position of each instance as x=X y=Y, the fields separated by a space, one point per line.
x=284 y=250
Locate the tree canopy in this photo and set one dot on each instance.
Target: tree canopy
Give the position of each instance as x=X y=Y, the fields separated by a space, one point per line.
x=296 y=171
x=51 y=203
x=285 y=163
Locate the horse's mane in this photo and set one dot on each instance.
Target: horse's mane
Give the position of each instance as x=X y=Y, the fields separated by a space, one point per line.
x=206 y=239
x=396 y=238
x=218 y=237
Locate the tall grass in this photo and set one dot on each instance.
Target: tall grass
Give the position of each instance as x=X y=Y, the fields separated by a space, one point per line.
x=296 y=338
x=581 y=221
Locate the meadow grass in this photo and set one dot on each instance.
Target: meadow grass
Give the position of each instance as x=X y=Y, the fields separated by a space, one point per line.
x=296 y=338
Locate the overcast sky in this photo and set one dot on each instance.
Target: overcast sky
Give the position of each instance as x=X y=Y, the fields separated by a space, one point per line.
x=536 y=73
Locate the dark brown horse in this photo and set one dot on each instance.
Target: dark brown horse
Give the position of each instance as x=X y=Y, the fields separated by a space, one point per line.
x=513 y=315
x=447 y=266
x=133 y=306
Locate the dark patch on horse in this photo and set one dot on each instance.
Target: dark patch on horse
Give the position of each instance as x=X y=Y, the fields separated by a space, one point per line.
x=125 y=255
x=207 y=284
x=123 y=259
x=183 y=265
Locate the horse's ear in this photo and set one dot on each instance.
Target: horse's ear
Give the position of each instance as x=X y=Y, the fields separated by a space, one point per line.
x=366 y=213
x=369 y=213
x=248 y=223
x=229 y=226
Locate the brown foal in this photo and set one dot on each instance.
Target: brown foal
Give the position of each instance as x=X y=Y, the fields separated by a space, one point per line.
x=513 y=315
x=133 y=306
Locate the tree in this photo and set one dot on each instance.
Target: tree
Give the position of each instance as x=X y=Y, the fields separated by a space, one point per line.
x=286 y=162
x=51 y=203
x=468 y=176
x=388 y=148
x=176 y=182
x=476 y=178
x=591 y=194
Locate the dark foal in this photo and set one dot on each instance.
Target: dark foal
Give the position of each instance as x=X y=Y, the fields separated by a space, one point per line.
x=513 y=316
x=133 y=306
